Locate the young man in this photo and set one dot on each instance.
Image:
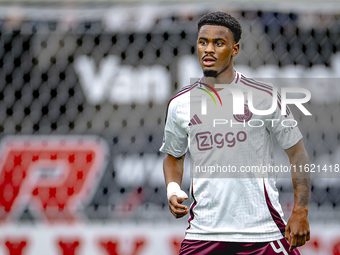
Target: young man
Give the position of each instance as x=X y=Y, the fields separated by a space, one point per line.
x=232 y=215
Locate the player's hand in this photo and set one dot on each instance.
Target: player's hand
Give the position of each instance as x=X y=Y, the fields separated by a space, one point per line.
x=297 y=229
x=176 y=207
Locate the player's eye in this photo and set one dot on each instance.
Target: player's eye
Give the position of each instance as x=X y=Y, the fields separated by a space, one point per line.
x=219 y=43
x=203 y=42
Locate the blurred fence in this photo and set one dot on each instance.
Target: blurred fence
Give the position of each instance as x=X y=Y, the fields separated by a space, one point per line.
x=92 y=76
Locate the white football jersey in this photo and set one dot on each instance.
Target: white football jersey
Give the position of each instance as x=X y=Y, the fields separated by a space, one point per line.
x=228 y=206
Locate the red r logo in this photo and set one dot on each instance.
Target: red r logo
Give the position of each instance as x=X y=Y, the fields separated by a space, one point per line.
x=53 y=175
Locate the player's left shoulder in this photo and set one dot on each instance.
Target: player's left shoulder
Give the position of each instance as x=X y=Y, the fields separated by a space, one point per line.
x=262 y=91
x=260 y=86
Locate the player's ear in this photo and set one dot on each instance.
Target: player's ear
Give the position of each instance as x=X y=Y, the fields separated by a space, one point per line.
x=236 y=49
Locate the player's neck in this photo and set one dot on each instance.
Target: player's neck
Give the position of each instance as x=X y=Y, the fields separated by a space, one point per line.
x=225 y=78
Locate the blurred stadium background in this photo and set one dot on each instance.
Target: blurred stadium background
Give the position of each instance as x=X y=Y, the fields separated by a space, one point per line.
x=91 y=80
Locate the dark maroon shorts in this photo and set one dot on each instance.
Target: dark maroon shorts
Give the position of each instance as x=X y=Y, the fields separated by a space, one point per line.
x=235 y=248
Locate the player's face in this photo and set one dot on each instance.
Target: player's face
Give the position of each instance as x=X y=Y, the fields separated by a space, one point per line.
x=216 y=48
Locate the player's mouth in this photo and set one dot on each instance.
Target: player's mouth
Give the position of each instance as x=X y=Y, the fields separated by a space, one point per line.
x=209 y=61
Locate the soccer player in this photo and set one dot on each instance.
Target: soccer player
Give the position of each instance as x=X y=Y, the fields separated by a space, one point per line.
x=232 y=215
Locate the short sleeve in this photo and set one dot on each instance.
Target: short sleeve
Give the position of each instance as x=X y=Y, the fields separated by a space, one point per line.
x=175 y=140
x=284 y=127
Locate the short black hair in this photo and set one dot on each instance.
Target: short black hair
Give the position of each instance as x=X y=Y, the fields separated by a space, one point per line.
x=222 y=19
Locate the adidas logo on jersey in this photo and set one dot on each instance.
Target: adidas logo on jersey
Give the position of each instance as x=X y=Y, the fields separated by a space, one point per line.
x=195 y=120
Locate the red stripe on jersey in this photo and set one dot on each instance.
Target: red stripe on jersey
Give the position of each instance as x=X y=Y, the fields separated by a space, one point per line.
x=260 y=83
x=267 y=86
x=184 y=88
x=275 y=215
x=237 y=76
x=197 y=119
x=287 y=108
x=253 y=86
x=192 y=206
x=181 y=92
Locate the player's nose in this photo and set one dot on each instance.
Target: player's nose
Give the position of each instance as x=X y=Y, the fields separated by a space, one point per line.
x=210 y=48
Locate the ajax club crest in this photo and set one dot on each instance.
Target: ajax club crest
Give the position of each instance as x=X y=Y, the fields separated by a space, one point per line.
x=244 y=117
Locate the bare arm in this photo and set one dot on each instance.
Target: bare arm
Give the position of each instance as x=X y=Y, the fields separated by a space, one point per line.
x=297 y=229
x=173 y=172
x=173 y=169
